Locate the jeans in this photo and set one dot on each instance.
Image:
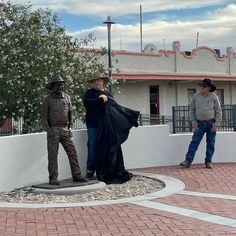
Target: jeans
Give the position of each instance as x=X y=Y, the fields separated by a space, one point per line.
x=204 y=127
x=91 y=150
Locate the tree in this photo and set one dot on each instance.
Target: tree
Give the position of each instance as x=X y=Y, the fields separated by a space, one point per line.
x=34 y=47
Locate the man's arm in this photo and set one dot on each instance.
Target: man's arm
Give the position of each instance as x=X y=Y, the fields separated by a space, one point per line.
x=192 y=114
x=192 y=111
x=218 y=111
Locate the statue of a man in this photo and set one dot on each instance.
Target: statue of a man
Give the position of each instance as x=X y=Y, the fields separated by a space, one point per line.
x=57 y=120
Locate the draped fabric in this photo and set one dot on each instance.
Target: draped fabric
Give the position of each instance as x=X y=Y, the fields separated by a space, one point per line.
x=113 y=130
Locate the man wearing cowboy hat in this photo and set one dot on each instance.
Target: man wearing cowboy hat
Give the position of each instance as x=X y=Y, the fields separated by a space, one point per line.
x=205 y=115
x=57 y=120
x=94 y=99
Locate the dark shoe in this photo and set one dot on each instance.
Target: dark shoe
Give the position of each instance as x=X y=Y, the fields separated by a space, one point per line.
x=185 y=163
x=54 y=182
x=209 y=165
x=90 y=176
x=79 y=178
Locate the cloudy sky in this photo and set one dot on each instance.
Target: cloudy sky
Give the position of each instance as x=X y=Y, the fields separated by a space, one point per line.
x=164 y=21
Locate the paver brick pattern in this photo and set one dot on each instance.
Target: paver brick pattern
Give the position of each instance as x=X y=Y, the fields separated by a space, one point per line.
x=220 y=207
x=221 y=179
x=122 y=219
x=129 y=219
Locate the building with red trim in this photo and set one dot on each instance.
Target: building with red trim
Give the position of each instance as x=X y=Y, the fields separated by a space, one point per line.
x=153 y=81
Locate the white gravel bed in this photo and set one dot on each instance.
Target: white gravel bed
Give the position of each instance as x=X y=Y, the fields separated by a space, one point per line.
x=137 y=186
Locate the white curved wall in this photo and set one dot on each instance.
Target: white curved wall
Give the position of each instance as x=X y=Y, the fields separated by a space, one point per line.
x=23 y=158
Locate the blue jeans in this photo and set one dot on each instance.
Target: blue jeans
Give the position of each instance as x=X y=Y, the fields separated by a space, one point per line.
x=91 y=150
x=204 y=127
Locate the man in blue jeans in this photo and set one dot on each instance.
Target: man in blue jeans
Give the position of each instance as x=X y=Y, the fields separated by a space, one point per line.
x=94 y=99
x=205 y=115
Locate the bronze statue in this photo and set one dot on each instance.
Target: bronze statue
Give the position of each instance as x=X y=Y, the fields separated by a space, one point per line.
x=57 y=120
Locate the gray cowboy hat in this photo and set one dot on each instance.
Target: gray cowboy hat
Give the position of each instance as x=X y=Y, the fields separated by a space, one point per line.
x=99 y=75
x=55 y=79
x=207 y=82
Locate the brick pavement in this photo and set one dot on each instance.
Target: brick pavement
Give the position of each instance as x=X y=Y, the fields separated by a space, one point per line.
x=220 y=207
x=129 y=219
x=221 y=179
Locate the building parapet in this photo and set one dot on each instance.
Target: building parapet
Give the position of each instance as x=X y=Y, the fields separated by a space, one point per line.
x=201 y=62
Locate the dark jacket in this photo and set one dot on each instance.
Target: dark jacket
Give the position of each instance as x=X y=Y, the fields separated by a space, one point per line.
x=113 y=130
x=93 y=105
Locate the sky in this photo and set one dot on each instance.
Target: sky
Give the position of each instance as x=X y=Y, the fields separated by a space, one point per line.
x=163 y=21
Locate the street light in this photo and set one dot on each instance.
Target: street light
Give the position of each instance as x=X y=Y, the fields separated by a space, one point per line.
x=109 y=22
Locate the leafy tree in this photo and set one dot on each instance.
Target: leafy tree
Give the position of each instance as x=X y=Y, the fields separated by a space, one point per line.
x=34 y=47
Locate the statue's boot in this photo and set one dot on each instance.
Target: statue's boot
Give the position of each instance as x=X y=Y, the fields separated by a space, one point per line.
x=79 y=178
x=54 y=181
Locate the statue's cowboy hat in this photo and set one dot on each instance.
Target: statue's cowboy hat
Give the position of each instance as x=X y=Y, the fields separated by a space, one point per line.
x=55 y=79
x=207 y=82
x=98 y=75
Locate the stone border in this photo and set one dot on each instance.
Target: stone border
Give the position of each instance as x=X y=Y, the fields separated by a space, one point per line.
x=172 y=186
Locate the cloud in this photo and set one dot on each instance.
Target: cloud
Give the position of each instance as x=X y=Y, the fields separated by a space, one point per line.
x=119 y=7
x=216 y=30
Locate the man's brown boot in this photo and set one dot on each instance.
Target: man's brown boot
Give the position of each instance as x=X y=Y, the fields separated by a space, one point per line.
x=185 y=163
x=209 y=165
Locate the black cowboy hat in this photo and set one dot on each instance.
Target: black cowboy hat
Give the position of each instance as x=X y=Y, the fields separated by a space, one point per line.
x=55 y=79
x=99 y=75
x=207 y=82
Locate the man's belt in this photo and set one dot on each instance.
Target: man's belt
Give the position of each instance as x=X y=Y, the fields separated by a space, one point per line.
x=210 y=120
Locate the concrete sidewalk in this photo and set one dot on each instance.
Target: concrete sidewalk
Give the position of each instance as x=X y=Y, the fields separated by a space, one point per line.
x=207 y=206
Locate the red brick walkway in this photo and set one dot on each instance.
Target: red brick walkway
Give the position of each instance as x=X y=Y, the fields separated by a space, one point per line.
x=129 y=219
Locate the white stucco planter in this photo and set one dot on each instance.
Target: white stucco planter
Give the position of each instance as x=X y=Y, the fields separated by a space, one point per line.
x=23 y=158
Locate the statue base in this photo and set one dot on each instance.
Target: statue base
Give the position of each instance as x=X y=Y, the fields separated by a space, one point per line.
x=68 y=187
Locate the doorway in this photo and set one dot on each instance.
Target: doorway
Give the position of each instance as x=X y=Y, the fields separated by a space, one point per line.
x=154 y=104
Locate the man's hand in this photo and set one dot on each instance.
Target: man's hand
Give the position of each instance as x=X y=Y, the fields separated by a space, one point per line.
x=195 y=126
x=104 y=97
x=214 y=127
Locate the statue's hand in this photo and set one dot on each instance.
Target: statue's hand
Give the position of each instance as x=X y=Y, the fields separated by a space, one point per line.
x=50 y=132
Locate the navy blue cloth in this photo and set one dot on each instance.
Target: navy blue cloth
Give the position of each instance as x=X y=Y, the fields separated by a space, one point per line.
x=94 y=106
x=113 y=130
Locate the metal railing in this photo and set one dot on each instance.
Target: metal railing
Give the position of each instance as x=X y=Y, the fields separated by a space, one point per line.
x=178 y=122
x=15 y=127
x=146 y=119
x=182 y=124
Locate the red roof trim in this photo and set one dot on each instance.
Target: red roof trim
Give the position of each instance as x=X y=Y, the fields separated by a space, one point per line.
x=160 y=76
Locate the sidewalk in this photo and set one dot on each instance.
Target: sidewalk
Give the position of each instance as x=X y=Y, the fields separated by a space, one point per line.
x=184 y=213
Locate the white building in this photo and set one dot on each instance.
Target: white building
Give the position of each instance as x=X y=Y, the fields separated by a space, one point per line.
x=154 y=81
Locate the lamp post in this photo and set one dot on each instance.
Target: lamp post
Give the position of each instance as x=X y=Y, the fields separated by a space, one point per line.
x=109 y=22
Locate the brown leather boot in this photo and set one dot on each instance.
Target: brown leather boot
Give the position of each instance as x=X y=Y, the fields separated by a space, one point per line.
x=209 y=165
x=185 y=163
